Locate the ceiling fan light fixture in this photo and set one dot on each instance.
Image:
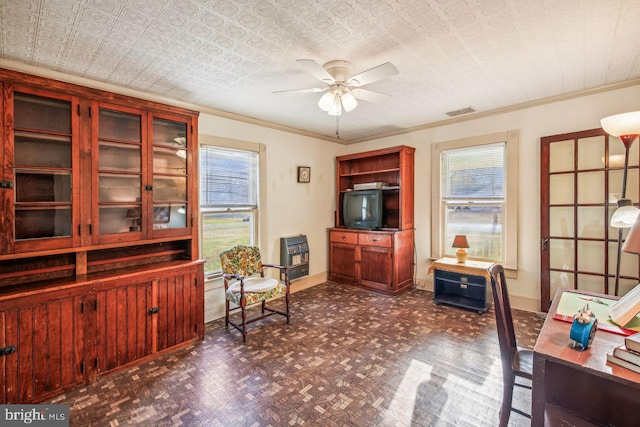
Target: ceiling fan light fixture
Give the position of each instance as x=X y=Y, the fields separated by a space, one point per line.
x=326 y=101
x=336 y=107
x=348 y=101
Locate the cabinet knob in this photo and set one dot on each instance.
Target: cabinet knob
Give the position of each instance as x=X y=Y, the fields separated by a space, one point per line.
x=343 y=237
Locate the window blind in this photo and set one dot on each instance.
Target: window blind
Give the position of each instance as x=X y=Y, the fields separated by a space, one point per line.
x=474 y=173
x=228 y=178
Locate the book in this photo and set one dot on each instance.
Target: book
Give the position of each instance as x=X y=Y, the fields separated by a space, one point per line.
x=627 y=307
x=621 y=362
x=633 y=342
x=622 y=352
x=571 y=301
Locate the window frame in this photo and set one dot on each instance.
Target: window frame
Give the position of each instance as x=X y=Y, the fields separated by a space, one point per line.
x=257 y=211
x=511 y=139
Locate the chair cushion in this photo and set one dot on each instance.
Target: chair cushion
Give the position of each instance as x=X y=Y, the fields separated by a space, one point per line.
x=255 y=284
x=256 y=289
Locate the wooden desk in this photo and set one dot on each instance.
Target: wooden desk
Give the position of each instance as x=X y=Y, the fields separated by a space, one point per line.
x=578 y=388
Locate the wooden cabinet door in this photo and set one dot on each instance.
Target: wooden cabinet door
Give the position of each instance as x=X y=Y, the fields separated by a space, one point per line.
x=342 y=259
x=118 y=185
x=41 y=165
x=123 y=328
x=171 y=175
x=376 y=269
x=178 y=318
x=44 y=346
x=148 y=315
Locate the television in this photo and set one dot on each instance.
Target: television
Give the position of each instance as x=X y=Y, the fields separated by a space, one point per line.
x=362 y=209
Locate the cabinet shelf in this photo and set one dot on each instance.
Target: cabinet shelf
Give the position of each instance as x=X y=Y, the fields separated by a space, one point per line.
x=388 y=188
x=42 y=136
x=372 y=172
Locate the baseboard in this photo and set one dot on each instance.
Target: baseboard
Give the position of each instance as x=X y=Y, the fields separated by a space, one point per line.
x=308 y=282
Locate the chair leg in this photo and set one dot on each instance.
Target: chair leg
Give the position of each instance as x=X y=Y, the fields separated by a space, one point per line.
x=226 y=314
x=286 y=303
x=507 y=398
x=243 y=304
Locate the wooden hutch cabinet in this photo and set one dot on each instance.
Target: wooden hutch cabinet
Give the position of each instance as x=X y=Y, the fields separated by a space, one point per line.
x=380 y=260
x=99 y=263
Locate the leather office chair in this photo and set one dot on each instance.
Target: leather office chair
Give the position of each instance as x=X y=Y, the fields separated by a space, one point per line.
x=245 y=284
x=516 y=361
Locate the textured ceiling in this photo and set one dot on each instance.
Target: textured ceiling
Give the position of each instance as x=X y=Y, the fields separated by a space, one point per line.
x=231 y=55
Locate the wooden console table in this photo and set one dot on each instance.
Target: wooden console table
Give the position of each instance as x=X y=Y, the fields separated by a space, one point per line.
x=576 y=388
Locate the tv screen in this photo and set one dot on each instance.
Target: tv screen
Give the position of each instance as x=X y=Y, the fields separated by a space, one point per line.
x=362 y=209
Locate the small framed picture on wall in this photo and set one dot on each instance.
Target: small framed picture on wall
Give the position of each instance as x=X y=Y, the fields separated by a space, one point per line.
x=304 y=174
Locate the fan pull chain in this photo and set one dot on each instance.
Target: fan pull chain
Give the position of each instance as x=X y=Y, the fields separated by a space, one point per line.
x=338 y=127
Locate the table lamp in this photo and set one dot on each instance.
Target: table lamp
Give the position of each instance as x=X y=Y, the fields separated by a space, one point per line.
x=460 y=242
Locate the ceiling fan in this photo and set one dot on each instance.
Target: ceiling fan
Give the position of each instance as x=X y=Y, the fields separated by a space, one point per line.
x=343 y=88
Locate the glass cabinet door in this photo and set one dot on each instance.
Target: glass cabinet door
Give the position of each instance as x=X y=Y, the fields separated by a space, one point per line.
x=169 y=176
x=119 y=177
x=43 y=160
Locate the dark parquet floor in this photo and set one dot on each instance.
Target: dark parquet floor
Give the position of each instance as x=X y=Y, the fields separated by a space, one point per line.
x=348 y=358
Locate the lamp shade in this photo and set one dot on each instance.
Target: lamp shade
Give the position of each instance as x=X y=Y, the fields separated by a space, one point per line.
x=348 y=101
x=326 y=101
x=632 y=243
x=336 y=107
x=626 y=214
x=460 y=241
x=624 y=124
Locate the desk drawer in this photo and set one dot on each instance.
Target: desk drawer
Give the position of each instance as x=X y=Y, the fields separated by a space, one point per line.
x=343 y=237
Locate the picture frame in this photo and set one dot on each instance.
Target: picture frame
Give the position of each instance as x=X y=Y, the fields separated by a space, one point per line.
x=304 y=174
x=161 y=214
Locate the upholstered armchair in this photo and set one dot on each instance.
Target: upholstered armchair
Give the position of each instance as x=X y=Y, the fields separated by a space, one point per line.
x=245 y=284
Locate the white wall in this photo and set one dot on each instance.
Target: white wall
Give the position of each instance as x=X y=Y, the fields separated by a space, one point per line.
x=294 y=208
x=291 y=208
x=560 y=117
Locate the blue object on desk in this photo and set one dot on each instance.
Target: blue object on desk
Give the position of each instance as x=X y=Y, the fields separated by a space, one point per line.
x=583 y=328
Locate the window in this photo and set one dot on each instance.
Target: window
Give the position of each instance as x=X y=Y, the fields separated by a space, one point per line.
x=475 y=189
x=228 y=201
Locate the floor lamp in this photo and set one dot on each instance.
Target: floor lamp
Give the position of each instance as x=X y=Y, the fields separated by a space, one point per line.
x=625 y=126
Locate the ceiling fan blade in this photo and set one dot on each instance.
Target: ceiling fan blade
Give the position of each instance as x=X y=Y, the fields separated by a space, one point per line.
x=369 y=95
x=312 y=90
x=316 y=69
x=373 y=75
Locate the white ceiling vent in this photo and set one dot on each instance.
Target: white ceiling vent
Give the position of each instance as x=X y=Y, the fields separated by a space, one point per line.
x=461 y=112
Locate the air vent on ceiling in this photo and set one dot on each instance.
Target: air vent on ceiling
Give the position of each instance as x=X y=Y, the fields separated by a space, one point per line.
x=461 y=112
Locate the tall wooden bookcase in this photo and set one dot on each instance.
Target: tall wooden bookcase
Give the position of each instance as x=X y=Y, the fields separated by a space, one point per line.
x=99 y=260
x=379 y=260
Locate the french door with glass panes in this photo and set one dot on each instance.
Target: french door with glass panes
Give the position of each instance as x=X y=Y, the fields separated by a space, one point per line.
x=581 y=176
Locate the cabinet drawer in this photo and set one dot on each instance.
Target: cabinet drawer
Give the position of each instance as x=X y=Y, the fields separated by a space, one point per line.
x=367 y=239
x=343 y=237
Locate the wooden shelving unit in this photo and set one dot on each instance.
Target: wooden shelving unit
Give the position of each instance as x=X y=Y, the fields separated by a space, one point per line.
x=99 y=263
x=378 y=260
